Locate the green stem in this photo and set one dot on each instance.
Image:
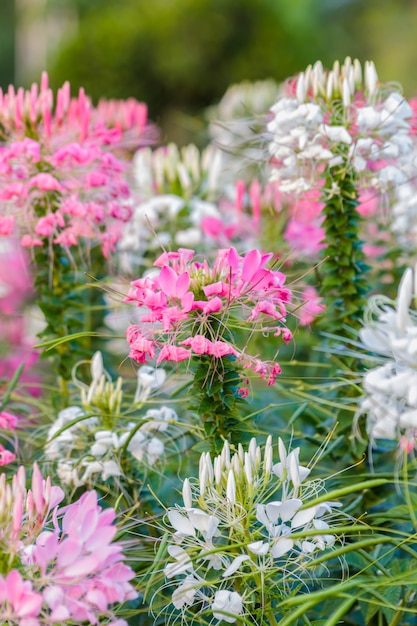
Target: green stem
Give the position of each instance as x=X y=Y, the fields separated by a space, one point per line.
x=66 y=303
x=271 y=618
x=344 y=284
x=216 y=401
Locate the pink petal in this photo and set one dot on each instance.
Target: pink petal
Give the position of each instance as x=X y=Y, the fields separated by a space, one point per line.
x=83 y=567
x=251 y=265
x=167 y=281
x=182 y=285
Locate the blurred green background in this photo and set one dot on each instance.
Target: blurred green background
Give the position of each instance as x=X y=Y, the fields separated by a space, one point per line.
x=180 y=56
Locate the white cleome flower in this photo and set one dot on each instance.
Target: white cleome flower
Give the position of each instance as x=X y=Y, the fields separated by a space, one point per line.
x=390 y=399
x=227 y=605
x=334 y=118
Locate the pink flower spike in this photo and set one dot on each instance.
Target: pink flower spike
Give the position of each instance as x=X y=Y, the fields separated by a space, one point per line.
x=182 y=284
x=233 y=259
x=37 y=490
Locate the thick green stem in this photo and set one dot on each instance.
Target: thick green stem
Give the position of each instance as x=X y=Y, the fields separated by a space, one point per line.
x=344 y=283
x=216 y=399
x=66 y=304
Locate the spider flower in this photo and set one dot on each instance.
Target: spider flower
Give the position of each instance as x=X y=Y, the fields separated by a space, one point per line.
x=96 y=441
x=342 y=116
x=390 y=399
x=191 y=308
x=245 y=517
x=58 y=564
x=61 y=181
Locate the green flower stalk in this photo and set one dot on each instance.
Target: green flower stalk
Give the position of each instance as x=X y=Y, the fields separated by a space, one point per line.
x=343 y=282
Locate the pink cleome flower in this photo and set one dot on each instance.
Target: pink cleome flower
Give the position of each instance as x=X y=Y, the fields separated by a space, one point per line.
x=70 y=568
x=56 y=155
x=191 y=308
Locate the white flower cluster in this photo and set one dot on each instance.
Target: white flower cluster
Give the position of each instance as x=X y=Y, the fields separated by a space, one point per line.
x=88 y=441
x=230 y=529
x=391 y=389
x=337 y=118
x=176 y=190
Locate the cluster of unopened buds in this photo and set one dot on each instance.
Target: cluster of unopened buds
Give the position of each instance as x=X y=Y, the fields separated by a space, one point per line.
x=89 y=442
x=339 y=118
x=230 y=530
x=390 y=400
x=191 y=308
x=58 y=565
x=61 y=181
x=181 y=198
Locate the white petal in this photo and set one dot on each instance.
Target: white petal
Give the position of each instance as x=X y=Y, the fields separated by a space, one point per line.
x=235 y=564
x=303 y=517
x=281 y=547
x=259 y=547
x=181 y=523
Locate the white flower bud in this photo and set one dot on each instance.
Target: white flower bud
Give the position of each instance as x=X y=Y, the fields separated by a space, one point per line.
x=184 y=177
x=187 y=494
x=96 y=367
x=346 y=97
x=282 y=452
x=371 y=78
x=357 y=70
x=209 y=466
x=248 y=469
x=225 y=455
x=236 y=465
x=231 y=488
x=252 y=450
x=301 y=88
x=404 y=300
x=218 y=473
x=268 y=457
x=202 y=479
x=329 y=87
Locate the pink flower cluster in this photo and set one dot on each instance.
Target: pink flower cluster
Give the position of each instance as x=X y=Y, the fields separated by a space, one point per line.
x=60 y=181
x=66 y=566
x=191 y=308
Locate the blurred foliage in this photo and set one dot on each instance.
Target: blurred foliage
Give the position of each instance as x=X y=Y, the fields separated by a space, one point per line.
x=7 y=42
x=180 y=56
x=183 y=54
